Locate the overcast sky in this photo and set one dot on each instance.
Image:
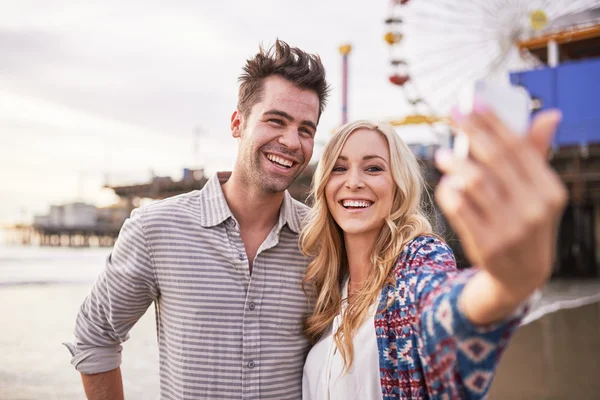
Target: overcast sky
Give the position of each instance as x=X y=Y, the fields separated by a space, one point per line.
x=116 y=89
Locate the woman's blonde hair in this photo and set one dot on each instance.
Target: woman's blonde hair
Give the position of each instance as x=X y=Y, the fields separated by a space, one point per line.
x=322 y=239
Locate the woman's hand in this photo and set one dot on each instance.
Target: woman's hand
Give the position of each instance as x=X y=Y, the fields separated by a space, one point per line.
x=505 y=203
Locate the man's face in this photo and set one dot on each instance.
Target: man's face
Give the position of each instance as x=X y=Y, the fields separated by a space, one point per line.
x=276 y=139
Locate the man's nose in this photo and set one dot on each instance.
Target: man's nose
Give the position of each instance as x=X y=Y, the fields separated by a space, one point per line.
x=290 y=139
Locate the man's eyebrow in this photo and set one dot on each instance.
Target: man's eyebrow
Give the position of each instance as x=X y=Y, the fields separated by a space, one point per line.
x=288 y=117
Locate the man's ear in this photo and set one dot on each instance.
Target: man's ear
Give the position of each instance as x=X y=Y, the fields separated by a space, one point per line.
x=236 y=124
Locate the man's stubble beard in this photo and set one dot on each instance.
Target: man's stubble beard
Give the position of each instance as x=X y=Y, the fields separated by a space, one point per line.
x=265 y=181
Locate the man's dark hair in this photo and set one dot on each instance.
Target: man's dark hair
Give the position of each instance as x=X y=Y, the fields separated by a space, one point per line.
x=298 y=67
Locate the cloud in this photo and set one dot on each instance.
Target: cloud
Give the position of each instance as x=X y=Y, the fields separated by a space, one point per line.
x=119 y=87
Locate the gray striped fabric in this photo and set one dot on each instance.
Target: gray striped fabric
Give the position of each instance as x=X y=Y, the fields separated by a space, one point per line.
x=222 y=333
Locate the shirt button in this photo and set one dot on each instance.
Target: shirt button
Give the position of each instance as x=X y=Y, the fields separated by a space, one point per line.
x=241 y=256
x=252 y=306
x=251 y=364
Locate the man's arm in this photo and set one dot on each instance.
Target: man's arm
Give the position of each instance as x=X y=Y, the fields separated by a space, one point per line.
x=103 y=386
x=120 y=296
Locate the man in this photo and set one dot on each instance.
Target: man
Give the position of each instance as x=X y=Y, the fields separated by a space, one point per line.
x=221 y=264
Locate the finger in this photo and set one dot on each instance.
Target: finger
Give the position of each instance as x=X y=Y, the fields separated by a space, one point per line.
x=535 y=144
x=462 y=217
x=520 y=168
x=477 y=183
x=515 y=147
x=542 y=200
x=543 y=192
x=485 y=149
x=542 y=130
x=479 y=130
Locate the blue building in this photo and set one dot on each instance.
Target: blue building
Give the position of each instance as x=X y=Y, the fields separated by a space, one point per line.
x=570 y=81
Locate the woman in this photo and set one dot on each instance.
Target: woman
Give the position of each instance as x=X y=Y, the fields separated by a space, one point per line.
x=393 y=317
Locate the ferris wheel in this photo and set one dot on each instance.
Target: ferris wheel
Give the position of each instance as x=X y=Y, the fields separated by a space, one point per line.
x=439 y=46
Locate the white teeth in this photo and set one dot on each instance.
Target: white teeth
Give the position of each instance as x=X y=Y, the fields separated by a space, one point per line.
x=356 y=203
x=279 y=160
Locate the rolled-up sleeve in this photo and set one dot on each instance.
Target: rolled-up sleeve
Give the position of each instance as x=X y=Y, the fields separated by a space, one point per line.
x=120 y=296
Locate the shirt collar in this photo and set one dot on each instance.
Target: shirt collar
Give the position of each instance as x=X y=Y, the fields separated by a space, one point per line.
x=290 y=213
x=214 y=209
x=213 y=206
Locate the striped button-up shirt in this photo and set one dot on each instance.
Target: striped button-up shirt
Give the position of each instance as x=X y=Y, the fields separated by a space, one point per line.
x=222 y=333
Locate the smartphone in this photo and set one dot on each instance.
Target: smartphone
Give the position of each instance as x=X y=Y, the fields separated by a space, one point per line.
x=512 y=104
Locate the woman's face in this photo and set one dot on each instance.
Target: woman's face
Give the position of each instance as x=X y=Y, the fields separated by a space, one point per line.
x=360 y=189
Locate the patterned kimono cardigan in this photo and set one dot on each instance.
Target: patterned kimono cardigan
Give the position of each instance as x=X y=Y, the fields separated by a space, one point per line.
x=428 y=349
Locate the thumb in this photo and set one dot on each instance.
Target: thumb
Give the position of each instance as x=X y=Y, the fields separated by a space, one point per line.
x=542 y=130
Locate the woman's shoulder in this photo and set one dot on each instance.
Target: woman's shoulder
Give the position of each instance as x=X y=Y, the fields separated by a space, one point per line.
x=427 y=251
x=429 y=246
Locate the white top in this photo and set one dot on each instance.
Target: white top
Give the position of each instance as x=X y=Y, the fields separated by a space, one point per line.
x=323 y=377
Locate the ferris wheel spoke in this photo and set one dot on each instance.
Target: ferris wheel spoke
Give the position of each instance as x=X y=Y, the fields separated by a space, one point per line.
x=554 y=10
x=573 y=8
x=451 y=97
x=436 y=32
x=425 y=26
x=423 y=18
x=432 y=16
x=434 y=69
x=456 y=49
x=428 y=64
x=510 y=3
x=583 y=4
x=450 y=7
x=450 y=36
x=439 y=69
x=489 y=9
x=495 y=63
x=511 y=11
x=449 y=75
x=474 y=60
x=478 y=9
x=500 y=4
x=520 y=7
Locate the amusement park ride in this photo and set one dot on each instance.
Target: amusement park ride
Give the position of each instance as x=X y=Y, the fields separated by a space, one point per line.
x=549 y=47
x=439 y=46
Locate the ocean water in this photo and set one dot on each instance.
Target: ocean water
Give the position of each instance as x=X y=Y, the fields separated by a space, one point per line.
x=556 y=355
x=41 y=290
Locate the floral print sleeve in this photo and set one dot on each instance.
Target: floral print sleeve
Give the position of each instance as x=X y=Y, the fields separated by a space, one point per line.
x=428 y=348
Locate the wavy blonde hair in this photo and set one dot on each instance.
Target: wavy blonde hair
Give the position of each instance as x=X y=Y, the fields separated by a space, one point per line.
x=322 y=238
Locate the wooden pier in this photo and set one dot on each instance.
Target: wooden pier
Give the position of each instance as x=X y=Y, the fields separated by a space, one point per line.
x=98 y=236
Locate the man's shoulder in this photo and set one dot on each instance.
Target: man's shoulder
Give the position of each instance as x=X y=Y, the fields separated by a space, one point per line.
x=299 y=214
x=186 y=205
x=299 y=208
